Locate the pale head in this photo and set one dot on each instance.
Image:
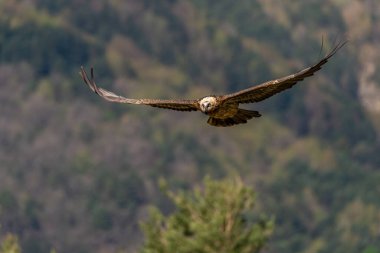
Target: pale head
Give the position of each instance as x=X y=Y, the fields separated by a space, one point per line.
x=207 y=104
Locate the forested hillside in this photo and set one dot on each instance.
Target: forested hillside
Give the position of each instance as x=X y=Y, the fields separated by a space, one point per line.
x=77 y=173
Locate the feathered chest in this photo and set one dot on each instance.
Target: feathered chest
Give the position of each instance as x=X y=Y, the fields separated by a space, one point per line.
x=224 y=110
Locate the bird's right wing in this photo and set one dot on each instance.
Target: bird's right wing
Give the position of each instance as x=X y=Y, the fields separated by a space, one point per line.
x=179 y=104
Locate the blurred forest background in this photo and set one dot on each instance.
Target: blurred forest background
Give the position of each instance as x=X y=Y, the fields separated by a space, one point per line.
x=78 y=173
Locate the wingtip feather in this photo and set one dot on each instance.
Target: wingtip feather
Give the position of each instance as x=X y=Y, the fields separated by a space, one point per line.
x=336 y=48
x=90 y=82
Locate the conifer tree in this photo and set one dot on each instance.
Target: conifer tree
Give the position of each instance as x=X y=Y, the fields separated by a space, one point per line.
x=216 y=218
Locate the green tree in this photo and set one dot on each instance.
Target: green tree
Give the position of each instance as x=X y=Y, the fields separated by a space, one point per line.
x=215 y=218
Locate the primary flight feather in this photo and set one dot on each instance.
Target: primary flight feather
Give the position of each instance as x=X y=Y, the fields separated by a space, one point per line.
x=222 y=110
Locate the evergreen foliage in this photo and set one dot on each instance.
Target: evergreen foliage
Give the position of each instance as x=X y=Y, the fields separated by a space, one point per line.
x=217 y=218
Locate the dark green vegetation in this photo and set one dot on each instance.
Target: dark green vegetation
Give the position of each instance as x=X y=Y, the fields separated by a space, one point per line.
x=216 y=218
x=77 y=173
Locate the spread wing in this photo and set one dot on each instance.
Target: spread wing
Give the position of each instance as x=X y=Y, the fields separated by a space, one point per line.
x=179 y=105
x=270 y=88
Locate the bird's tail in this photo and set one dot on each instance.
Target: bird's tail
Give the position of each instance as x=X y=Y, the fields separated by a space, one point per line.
x=241 y=117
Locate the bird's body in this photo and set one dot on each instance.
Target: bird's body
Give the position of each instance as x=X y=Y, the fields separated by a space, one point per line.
x=222 y=110
x=224 y=113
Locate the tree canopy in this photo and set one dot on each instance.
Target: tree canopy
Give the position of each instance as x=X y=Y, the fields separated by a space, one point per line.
x=217 y=217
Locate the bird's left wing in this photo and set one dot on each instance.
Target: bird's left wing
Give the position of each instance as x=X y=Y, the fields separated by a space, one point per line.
x=179 y=104
x=268 y=89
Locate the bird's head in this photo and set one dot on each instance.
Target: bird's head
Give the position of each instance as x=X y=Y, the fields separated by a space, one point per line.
x=207 y=104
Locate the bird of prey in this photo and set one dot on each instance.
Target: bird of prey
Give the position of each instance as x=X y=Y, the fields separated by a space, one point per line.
x=223 y=110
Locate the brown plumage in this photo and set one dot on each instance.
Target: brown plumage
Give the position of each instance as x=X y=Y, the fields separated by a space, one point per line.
x=222 y=110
